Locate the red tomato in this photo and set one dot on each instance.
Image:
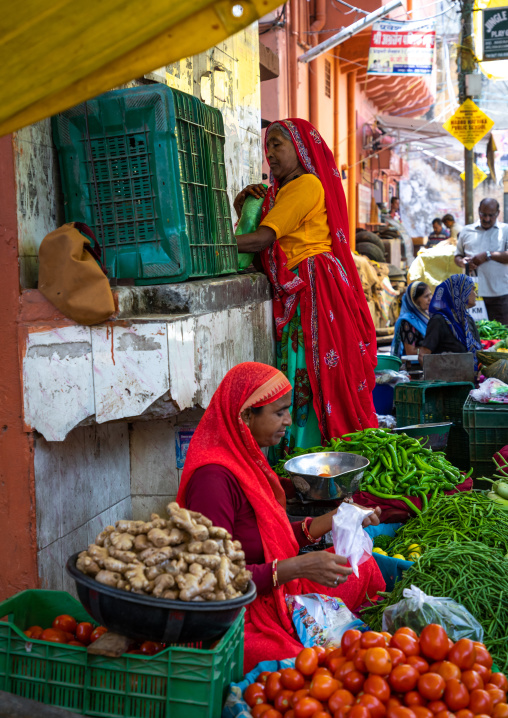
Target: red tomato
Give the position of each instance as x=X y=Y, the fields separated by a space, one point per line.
x=340 y=699
x=289 y=714
x=148 y=648
x=306 y=707
x=262 y=677
x=274 y=684
x=483 y=671
x=53 y=635
x=481 y=702
x=463 y=654
x=260 y=708
x=373 y=705
x=307 y=661
x=353 y=650
x=322 y=671
x=97 y=633
x=345 y=668
x=449 y=670
x=353 y=681
x=371 y=639
x=434 y=642
x=498 y=679
x=335 y=662
x=342 y=712
x=65 y=623
x=422 y=712
x=472 y=680
x=76 y=643
x=398 y=657
x=302 y=693
x=272 y=713
x=445 y=714
x=349 y=637
x=498 y=696
x=408 y=631
x=401 y=712
x=412 y=699
x=483 y=656
x=464 y=713
x=437 y=706
x=403 y=678
x=35 y=632
x=419 y=663
x=392 y=702
x=321 y=654
x=378 y=661
x=83 y=632
x=254 y=694
x=456 y=695
x=292 y=679
x=388 y=637
x=318 y=714
x=282 y=700
x=359 y=711
x=431 y=686
x=28 y=633
x=407 y=644
x=500 y=711
x=378 y=687
x=450 y=644
x=322 y=687
x=359 y=660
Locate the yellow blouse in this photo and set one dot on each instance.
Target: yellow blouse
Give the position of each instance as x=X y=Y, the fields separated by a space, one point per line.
x=299 y=219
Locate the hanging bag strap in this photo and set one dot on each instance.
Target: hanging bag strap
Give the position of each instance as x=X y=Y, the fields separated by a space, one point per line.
x=94 y=250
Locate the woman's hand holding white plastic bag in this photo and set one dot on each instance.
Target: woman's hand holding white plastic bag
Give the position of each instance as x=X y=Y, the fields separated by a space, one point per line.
x=349 y=538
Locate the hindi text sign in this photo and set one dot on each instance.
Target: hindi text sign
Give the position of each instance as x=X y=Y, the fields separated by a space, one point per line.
x=402 y=48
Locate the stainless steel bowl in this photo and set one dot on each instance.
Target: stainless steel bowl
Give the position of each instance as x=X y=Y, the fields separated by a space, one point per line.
x=344 y=472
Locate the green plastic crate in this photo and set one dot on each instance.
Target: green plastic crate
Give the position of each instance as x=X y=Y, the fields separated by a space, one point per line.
x=487 y=426
x=426 y=402
x=179 y=682
x=162 y=218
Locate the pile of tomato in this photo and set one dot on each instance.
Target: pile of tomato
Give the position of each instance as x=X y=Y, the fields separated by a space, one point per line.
x=380 y=675
x=65 y=629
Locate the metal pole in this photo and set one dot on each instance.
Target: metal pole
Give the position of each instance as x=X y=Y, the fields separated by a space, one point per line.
x=465 y=66
x=348 y=32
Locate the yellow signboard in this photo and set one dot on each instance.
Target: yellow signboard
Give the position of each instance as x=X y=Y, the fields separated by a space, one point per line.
x=478 y=176
x=468 y=124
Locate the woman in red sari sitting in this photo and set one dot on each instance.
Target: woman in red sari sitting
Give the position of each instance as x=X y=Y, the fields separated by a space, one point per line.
x=326 y=337
x=227 y=478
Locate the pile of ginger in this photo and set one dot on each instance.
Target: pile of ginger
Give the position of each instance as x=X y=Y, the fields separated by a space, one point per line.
x=182 y=557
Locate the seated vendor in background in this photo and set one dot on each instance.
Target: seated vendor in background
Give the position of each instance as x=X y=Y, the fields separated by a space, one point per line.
x=411 y=325
x=451 y=329
x=438 y=234
x=227 y=478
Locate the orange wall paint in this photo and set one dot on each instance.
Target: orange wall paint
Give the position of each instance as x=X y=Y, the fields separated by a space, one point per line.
x=18 y=559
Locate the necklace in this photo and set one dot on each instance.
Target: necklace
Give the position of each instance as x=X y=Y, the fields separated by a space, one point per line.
x=288 y=180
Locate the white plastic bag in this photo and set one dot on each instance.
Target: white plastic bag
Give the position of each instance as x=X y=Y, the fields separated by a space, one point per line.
x=349 y=538
x=492 y=390
x=321 y=619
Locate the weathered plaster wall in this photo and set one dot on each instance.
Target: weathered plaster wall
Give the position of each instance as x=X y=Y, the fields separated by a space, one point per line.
x=82 y=485
x=18 y=568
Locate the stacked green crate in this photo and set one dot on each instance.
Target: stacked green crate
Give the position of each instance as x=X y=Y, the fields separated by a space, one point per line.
x=487 y=426
x=160 y=220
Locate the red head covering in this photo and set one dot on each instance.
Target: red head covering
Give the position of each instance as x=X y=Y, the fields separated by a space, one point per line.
x=317 y=159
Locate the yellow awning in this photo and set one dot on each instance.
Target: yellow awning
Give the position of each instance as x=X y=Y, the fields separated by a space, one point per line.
x=55 y=54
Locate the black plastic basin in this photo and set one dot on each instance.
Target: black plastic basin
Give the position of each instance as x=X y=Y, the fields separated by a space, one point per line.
x=156 y=619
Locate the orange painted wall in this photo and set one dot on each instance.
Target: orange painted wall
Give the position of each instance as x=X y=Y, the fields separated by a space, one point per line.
x=18 y=559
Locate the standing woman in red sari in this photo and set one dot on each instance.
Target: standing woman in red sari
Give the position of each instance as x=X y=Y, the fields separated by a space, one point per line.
x=326 y=341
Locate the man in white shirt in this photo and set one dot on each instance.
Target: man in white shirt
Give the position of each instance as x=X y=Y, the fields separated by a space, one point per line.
x=483 y=246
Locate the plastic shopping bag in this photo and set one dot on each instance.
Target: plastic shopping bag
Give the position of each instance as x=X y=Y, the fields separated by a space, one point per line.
x=349 y=538
x=321 y=619
x=416 y=610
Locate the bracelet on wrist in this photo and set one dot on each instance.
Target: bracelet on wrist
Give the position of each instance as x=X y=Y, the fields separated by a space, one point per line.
x=305 y=528
x=275 y=577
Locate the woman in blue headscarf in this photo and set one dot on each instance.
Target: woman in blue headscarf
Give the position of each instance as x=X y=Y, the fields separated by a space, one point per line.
x=451 y=328
x=412 y=323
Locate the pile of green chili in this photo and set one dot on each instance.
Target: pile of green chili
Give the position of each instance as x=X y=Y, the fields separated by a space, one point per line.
x=474 y=575
x=465 y=516
x=491 y=329
x=399 y=466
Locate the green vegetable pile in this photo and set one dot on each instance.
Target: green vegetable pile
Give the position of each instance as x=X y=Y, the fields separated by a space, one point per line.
x=492 y=329
x=474 y=575
x=467 y=515
x=399 y=466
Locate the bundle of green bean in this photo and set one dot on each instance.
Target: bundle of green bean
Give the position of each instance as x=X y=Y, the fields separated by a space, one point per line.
x=466 y=515
x=474 y=575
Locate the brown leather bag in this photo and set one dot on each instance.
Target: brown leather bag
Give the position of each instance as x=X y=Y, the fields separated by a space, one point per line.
x=71 y=276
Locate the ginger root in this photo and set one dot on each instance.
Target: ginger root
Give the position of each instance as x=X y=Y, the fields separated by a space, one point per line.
x=108 y=578
x=135 y=575
x=191 y=586
x=122 y=541
x=163 y=583
x=87 y=565
x=183 y=520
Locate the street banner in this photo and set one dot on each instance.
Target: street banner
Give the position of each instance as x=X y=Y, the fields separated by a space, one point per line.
x=478 y=176
x=402 y=48
x=495 y=33
x=468 y=124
